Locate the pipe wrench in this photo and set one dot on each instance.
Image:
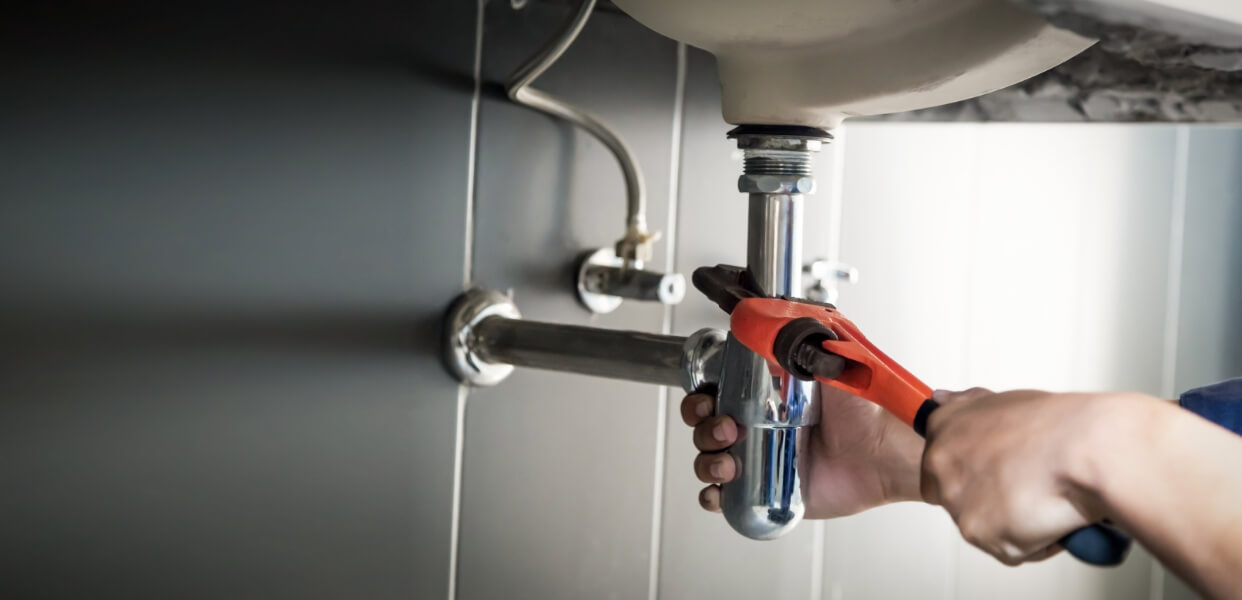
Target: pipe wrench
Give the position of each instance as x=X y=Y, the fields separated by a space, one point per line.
x=814 y=341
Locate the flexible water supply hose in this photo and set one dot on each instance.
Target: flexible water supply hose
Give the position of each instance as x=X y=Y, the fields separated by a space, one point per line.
x=635 y=247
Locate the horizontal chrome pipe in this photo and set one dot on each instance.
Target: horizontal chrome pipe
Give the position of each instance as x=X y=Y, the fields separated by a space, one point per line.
x=485 y=337
x=628 y=355
x=636 y=284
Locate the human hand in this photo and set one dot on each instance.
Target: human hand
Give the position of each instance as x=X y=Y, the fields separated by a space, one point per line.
x=1015 y=470
x=858 y=457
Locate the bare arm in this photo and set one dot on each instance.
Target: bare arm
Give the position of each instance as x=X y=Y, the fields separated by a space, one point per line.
x=1018 y=470
x=1179 y=492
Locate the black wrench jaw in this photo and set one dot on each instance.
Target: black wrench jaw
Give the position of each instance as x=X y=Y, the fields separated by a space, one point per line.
x=799 y=344
x=799 y=350
x=726 y=285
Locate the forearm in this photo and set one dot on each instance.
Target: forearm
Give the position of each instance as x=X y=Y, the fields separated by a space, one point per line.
x=902 y=463
x=1173 y=480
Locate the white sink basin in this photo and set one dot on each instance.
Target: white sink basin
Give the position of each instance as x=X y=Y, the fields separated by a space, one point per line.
x=816 y=62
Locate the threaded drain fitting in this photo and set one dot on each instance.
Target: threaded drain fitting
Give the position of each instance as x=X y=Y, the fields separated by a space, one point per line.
x=776 y=162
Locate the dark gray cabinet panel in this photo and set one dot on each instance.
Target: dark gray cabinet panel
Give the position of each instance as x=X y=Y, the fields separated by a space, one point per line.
x=227 y=233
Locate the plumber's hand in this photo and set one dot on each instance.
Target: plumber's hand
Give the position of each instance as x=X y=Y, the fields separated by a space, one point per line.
x=859 y=456
x=1012 y=468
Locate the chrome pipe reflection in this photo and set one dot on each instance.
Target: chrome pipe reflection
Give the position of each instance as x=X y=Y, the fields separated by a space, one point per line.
x=485 y=337
x=627 y=355
x=772 y=409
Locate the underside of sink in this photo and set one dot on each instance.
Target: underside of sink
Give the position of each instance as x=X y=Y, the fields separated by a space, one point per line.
x=816 y=62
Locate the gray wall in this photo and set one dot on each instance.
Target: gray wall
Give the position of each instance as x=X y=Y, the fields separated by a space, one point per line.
x=559 y=477
x=228 y=233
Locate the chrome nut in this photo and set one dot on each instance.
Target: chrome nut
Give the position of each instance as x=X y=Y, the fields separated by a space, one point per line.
x=776 y=184
x=780 y=142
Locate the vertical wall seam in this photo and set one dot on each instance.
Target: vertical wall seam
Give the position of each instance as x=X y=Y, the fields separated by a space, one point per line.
x=666 y=326
x=455 y=518
x=1173 y=297
x=463 y=391
x=674 y=177
x=1177 y=235
x=836 y=195
x=473 y=152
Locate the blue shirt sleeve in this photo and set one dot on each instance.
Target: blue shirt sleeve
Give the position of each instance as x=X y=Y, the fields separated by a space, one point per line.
x=1220 y=404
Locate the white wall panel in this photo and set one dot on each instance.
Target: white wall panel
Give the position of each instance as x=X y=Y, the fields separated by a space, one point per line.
x=1008 y=257
x=1068 y=294
x=906 y=221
